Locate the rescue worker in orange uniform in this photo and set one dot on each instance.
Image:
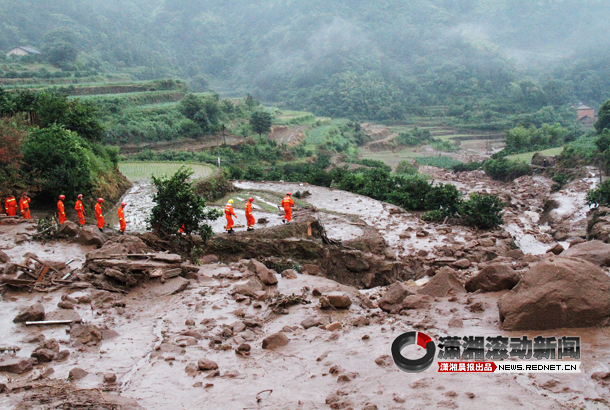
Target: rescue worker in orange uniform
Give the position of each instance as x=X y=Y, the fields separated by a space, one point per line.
x=10 y=205
x=122 y=223
x=80 y=210
x=61 y=212
x=24 y=206
x=249 y=218
x=230 y=213
x=287 y=203
x=98 y=214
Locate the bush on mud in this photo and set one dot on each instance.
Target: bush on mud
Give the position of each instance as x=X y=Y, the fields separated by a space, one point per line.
x=600 y=195
x=177 y=205
x=506 y=170
x=482 y=211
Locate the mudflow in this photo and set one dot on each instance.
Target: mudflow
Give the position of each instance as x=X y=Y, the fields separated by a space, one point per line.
x=303 y=315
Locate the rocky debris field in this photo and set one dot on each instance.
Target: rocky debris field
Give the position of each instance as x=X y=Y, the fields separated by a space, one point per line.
x=298 y=317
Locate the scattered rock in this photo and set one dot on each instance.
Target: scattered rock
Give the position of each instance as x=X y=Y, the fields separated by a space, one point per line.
x=191 y=369
x=15 y=365
x=43 y=355
x=309 y=269
x=596 y=252
x=515 y=254
x=263 y=273
x=443 y=284
x=392 y=299
x=64 y=304
x=339 y=300
x=77 y=373
x=90 y=235
x=109 y=378
x=290 y=274
x=207 y=364
x=253 y=288
x=311 y=322
x=20 y=238
x=31 y=314
x=558 y=293
x=462 y=264
x=557 y=249
x=174 y=285
x=334 y=326
x=493 y=278
x=384 y=360
x=487 y=242
x=208 y=259
x=4 y=258
x=62 y=355
x=456 y=322
x=417 y=302
x=69 y=229
x=85 y=334
x=324 y=303
x=275 y=340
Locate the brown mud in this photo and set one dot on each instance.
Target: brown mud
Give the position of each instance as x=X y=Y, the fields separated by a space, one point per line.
x=153 y=338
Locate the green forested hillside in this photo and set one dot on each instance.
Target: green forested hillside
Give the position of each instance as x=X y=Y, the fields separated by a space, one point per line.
x=386 y=59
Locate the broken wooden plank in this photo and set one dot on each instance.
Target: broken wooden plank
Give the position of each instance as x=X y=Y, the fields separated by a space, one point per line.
x=45 y=264
x=122 y=264
x=17 y=282
x=45 y=269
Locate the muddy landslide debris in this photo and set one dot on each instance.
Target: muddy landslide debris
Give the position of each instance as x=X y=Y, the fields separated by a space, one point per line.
x=30 y=314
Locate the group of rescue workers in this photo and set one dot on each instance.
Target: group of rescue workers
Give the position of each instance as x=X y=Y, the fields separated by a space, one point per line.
x=287 y=204
x=10 y=207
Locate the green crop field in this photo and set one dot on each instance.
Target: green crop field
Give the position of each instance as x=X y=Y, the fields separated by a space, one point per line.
x=137 y=171
x=527 y=156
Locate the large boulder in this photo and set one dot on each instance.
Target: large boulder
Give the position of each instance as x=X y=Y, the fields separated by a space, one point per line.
x=90 y=235
x=275 y=340
x=69 y=229
x=394 y=296
x=263 y=273
x=339 y=300
x=444 y=283
x=15 y=365
x=596 y=252
x=558 y=293
x=493 y=278
x=253 y=288
x=124 y=244
x=33 y=313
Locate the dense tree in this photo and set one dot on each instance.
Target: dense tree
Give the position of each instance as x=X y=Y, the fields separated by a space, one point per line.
x=603 y=121
x=261 y=121
x=61 y=159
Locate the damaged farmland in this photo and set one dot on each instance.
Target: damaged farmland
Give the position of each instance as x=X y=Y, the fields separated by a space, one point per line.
x=303 y=315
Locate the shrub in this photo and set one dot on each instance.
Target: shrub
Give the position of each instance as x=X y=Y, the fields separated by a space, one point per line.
x=560 y=180
x=506 y=170
x=470 y=166
x=600 y=195
x=482 y=211
x=406 y=168
x=178 y=205
x=434 y=216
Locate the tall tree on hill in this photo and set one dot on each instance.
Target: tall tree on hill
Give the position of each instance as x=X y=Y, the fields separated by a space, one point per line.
x=261 y=122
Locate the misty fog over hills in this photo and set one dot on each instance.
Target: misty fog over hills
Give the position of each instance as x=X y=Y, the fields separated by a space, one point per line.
x=370 y=59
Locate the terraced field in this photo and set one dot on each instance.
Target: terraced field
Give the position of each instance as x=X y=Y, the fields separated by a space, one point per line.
x=138 y=171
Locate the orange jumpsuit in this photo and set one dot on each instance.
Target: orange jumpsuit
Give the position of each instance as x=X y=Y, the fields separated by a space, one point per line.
x=249 y=217
x=61 y=213
x=229 y=213
x=11 y=206
x=287 y=203
x=24 y=207
x=80 y=211
x=99 y=216
x=122 y=222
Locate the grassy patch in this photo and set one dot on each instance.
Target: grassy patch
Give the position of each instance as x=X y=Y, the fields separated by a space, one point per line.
x=137 y=171
x=527 y=156
x=440 y=162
